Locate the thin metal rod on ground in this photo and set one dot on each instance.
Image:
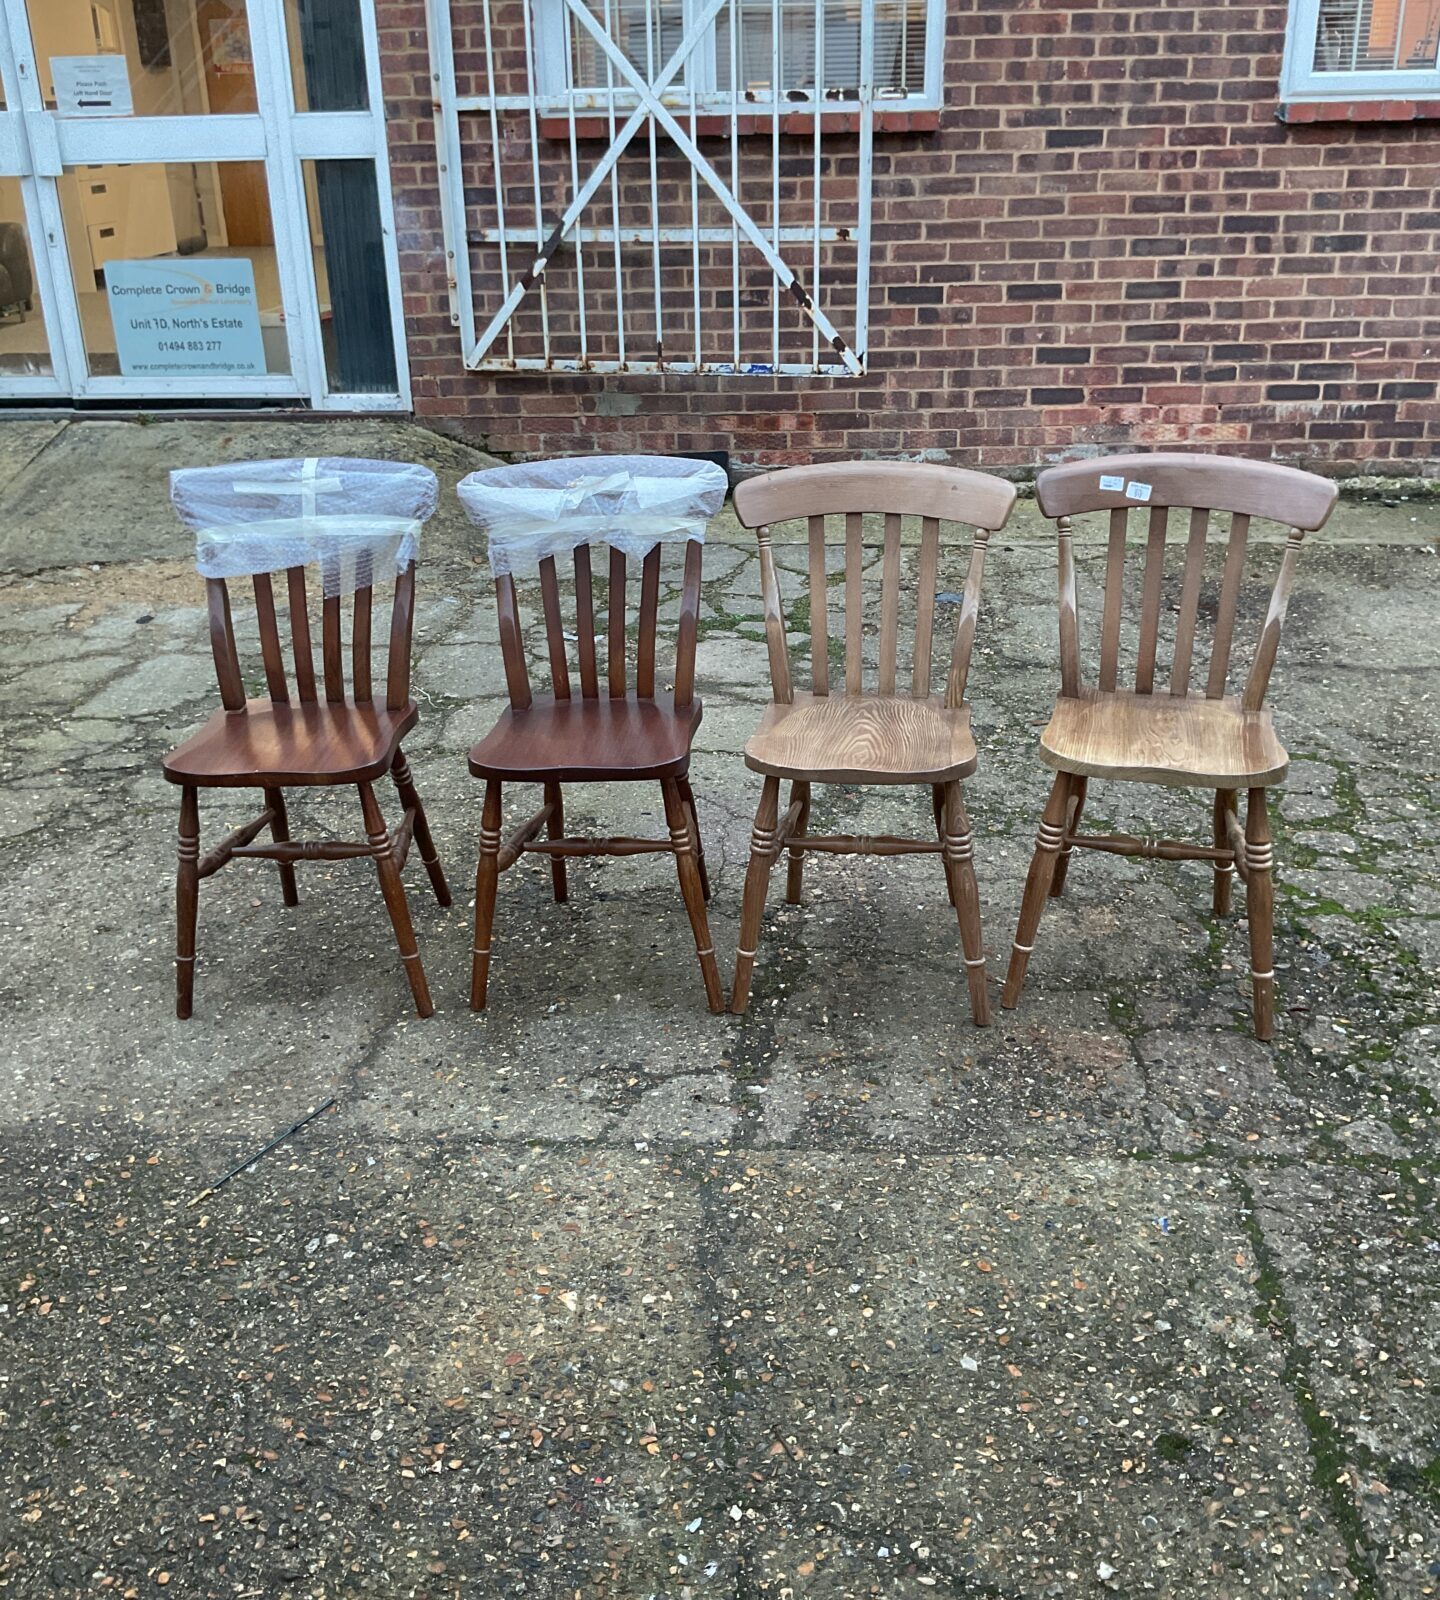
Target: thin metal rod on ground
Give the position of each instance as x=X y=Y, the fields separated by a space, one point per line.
x=264 y=1149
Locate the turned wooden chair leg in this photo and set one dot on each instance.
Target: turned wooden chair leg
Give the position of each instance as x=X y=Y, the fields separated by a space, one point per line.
x=1078 y=787
x=1260 y=912
x=795 y=869
x=757 y=884
x=487 y=881
x=958 y=853
x=682 y=841
x=280 y=833
x=937 y=802
x=687 y=794
x=1037 y=886
x=1225 y=806
x=393 y=889
x=187 y=901
x=410 y=799
x=556 y=830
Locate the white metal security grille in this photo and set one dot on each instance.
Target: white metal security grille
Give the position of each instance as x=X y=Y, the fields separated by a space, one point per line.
x=659 y=209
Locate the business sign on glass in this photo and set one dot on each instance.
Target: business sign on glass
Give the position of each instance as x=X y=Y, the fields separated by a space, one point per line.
x=184 y=319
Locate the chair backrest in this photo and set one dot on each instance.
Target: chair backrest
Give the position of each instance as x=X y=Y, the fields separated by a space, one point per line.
x=333 y=651
x=357 y=520
x=616 y=568
x=894 y=490
x=1205 y=486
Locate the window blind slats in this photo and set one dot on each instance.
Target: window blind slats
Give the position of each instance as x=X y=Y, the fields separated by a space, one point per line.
x=1377 y=36
x=900 y=37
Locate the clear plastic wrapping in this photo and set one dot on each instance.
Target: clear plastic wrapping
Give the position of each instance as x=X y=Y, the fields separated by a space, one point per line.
x=633 y=503
x=357 y=520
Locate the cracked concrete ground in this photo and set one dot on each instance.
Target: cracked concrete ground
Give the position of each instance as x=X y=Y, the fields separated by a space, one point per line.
x=600 y=1295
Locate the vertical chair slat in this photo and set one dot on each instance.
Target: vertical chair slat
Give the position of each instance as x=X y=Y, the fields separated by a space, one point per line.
x=890 y=603
x=854 y=615
x=402 y=631
x=270 y=638
x=554 y=630
x=1069 y=619
x=222 y=645
x=689 y=624
x=360 y=644
x=1230 y=581
x=819 y=611
x=649 y=605
x=1150 y=600
x=300 y=634
x=585 y=623
x=512 y=643
x=775 y=642
x=1189 y=602
x=615 y=601
x=969 y=617
x=331 y=650
x=925 y=607
x=1114 y=593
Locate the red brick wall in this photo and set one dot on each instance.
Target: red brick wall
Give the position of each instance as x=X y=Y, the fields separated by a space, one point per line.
x=1109 y=242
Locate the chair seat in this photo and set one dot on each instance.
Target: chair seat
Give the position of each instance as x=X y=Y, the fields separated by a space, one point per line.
x=869 y=738
x=1183 y=741
x=568 y=741
x=275 y=745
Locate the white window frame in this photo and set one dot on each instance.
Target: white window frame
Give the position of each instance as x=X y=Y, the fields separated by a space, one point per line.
x=1299 y=81
x=552 y=69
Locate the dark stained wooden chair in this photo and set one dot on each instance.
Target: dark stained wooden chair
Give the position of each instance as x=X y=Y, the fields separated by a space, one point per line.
x=1171 y=734
x=328 y=733
x=614 y=732
x=859 y=735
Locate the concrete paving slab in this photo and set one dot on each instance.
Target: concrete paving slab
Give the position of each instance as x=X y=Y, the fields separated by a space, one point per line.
x=538 y=1426
x=20 y=443
x=155 y=685
x=1350 y=1273
x=1045 y=1377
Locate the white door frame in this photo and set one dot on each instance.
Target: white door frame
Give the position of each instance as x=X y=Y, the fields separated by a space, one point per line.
x=15 y=162
x=40 y=145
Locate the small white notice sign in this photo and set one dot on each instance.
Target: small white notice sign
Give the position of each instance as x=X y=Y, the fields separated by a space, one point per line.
x=185 y=318
x=1138 y=491
x=1110 y=484
x=91 y=86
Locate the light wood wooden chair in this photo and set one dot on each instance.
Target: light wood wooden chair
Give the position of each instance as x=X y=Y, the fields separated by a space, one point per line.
x=328 y=734
x=882 y=735
x=612 y=734
x=1172 y=734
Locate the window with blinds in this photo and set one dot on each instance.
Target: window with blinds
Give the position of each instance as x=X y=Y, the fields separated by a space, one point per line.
x=819 y=46
x=648 y=31
x=1377 y=35
x=1362 y=49
x=800 y=50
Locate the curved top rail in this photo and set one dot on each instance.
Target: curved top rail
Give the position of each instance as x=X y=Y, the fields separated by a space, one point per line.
x=900 y=488
x=1214 y=483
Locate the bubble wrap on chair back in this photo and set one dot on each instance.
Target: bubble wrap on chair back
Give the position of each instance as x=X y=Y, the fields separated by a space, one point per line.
x=355 y=519
x=632 y=503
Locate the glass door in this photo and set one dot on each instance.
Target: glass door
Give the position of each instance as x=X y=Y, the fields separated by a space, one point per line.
x=195 y=204
x=29 y=368
x=169 y=229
